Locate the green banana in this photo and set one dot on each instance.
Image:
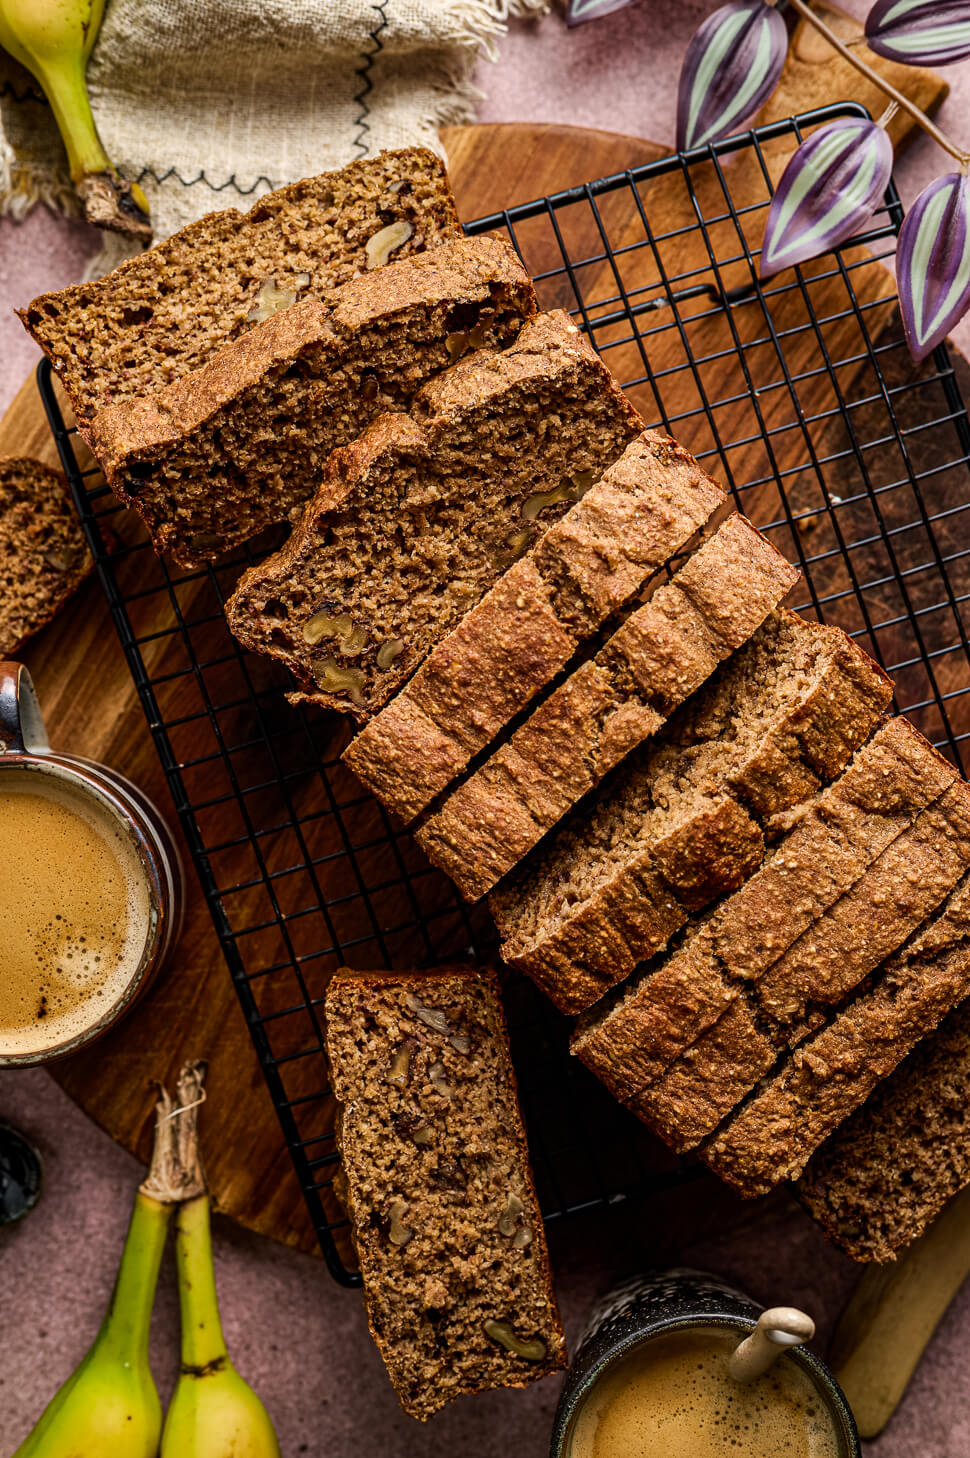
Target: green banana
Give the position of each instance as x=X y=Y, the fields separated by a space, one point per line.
x=54 y=40
x=110 y=1406
x=213 y=1413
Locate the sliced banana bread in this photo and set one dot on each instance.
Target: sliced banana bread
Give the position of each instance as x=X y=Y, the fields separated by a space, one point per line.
x=607 y=707
x=880 y=1179
x=438 y=1185
x=167 y=311
x=682 y=824
x=241 y=443
x=415 y=520
x=43 y=553
x=819 y=971
x=642 y=511
x=835 y=839
x=774 y=1133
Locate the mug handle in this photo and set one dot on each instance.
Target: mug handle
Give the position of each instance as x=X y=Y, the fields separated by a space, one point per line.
x=21 y=725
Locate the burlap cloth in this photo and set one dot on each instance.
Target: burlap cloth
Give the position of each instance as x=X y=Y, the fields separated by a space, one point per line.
x=210 y=103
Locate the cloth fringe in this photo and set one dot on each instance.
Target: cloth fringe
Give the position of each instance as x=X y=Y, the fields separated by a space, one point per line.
x=374 y=77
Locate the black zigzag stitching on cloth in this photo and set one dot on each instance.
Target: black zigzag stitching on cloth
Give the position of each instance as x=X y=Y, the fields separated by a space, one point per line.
x=7 y=88
x=215 y=186
x=361 y=141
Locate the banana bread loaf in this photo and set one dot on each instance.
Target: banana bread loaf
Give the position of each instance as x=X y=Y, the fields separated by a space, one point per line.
x=835 y=839
x=42 y=549
x=167 y=311
x=241 y=443
x=415 y=520
x=607 y=707
x=641 y=512
x=774 y=1133
x=682 y=824
x=438 y=1186
x=881 y=1178
x=820 y=971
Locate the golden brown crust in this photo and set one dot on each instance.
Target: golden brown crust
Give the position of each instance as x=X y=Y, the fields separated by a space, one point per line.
x=826 y=1079
x=880 y=1178
x=404 y=547
x=125 y=334
x=825 y=966
x=627 y=525
x=835 y=839
x=682 y=823
x=320 y=370
x=609 y=706
x=44 y=552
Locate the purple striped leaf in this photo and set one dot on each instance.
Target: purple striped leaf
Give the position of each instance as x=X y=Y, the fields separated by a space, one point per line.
x=831 y=186
x=920 y=32
x=933 y=263
x=732 y=63
x=579 y=11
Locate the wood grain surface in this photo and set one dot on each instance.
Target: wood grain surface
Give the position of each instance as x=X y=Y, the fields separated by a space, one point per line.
x=90 y=703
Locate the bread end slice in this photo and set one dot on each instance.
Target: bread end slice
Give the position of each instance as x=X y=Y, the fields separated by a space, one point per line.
x=43 y=548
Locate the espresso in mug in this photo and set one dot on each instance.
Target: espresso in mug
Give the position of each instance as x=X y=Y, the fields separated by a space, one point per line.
x=75 y=911
x=673 y=1397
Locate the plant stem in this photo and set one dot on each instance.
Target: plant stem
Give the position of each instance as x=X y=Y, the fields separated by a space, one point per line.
x=203 y=1344
x=126 y=1324
x=914 y=111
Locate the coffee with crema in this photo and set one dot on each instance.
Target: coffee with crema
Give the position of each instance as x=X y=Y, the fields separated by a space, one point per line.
x=75 y=911
x=673 y=1397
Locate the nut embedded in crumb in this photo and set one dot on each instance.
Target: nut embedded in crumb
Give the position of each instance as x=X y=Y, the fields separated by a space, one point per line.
x=272 y=297
x=387 y=241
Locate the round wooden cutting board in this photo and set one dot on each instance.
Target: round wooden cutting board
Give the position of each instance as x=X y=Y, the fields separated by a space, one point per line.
x=92 y=709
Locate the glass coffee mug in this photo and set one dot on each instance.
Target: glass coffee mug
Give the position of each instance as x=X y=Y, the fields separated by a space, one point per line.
x=91 y=888
x=659 y=1370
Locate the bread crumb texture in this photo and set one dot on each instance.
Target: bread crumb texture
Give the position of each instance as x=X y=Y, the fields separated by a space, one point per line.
x=438 y=1186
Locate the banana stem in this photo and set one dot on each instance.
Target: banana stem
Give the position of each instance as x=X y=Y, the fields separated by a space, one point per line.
x=203 y=1343
x=125 y=1328
x=66 y=89
x=919 y=116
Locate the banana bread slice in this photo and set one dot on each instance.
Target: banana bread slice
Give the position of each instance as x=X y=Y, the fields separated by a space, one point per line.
x=629 y=524
x=773 y=1134
x=682 y=824
x=438 y=1185
x=415 y=520
x=42 y=549
x=835 y=839
x=901 y=888
x=612 y=703
x=241 y=443
x=166 y=312
x=881 y=1178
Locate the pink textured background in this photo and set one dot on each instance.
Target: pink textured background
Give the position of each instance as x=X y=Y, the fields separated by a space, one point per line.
x=299 y=1338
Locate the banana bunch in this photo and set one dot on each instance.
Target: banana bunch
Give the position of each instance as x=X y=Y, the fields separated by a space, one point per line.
x=54 y=40
x=109 y=1407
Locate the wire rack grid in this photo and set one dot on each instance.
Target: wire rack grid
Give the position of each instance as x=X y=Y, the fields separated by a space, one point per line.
x=797 y=393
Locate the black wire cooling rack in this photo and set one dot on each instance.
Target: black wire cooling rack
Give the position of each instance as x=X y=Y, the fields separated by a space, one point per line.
x=798 y=394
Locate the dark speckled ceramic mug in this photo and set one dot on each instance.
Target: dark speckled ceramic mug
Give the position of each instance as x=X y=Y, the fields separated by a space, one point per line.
x=659 y=1302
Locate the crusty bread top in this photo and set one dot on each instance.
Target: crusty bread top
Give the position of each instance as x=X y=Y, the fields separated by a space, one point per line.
x=139 y=428
x=126 y=334
x=42 y=547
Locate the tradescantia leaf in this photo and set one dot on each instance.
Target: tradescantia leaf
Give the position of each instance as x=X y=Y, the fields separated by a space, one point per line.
x=933 y=263
x=731 y=66
x=831 y=186
x=920 y=32
x=579 y=11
